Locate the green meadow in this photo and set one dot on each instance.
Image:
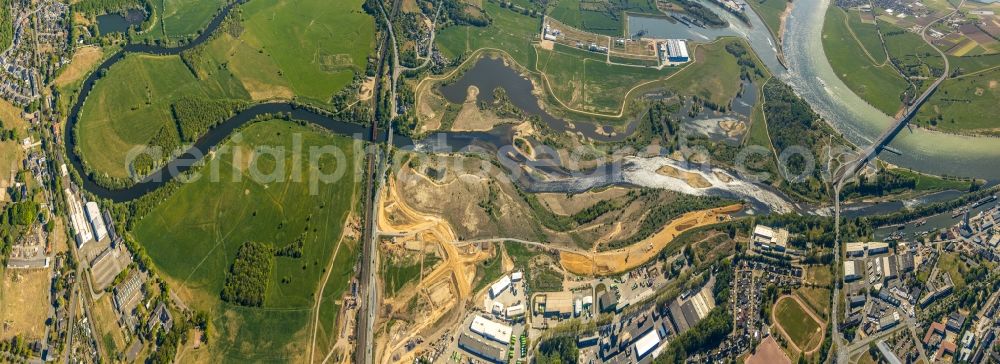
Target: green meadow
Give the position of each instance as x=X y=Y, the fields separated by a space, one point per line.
x=193 y=235
x=714 y=77
x=964 y=104
x=304 y=50
x=857 y=57
x=770 y=12
x=580 y=79
x=132 y=103
x=584 y=81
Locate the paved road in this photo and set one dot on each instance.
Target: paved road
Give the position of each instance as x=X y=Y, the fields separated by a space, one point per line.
x=846 y=172
x=368 y=308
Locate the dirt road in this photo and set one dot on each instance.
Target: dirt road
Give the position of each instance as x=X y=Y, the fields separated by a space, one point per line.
x=628 y=258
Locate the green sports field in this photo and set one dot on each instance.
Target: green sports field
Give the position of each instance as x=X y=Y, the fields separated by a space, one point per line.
x=857 y=57
x=801 y=327
x=193 y=235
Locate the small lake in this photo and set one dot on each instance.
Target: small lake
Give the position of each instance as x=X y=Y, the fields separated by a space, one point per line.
x=489 y=73
x=119 y=22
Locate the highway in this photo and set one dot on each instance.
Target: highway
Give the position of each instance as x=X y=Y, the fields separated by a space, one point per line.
x=368 y=308
x=848 y=171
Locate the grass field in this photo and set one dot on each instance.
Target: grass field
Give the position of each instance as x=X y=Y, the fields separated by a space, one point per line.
x=397 y=274
x=715 y=76
x=511 y=32
x=131 y=104
x=181 y=19
x=935 y=183
x=343 y=267
x=970 y=64
x=22 y=293
x=951 y=263
x=580 y=79
x=770 y=11
x=583 y=81
x=802 y=329
x=307 y=50
x=599 y=16
x=317 y=45
x=193 y=235
x=871 y=77
x=965 y=104
x=818 y=300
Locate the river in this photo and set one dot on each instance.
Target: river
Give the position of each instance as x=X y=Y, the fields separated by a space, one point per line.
x=846 y=112
x=812 y=77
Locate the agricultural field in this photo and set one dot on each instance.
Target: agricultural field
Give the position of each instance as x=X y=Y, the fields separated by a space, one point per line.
x=605 y=17
x=194 y=234
x=856 y=55
x=965 y=104
x=770 y=12
x=132 y=105
x=801 y=328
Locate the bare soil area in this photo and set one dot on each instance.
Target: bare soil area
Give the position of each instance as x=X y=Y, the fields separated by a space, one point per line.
x=24 y=302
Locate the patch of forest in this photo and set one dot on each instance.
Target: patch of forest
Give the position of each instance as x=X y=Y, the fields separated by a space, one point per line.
x=246 y=281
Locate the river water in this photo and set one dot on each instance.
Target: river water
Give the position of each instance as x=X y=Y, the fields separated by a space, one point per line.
x=809 y=73
x=812 y=77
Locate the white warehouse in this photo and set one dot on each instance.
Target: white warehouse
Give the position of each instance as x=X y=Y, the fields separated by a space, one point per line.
x=96 y=221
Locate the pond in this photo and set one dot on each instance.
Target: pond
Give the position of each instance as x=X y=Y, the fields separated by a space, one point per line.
x=119 y=22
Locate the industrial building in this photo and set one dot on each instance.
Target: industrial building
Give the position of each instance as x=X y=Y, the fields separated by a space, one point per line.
x=515 y=311
x=482 y=349
x=499 y=286
x=558 y=304
x=768 y=238
x=647 y=343
x=491 y=330
x=850 y=271
x=856 y=249
x=888 y=321
x=877 y=247
x=96 y=221
x=127 y=293
x=674 y=51
x=888 y=267
x=78 y=220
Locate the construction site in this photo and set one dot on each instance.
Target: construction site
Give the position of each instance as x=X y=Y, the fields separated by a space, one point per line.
x=455 y=289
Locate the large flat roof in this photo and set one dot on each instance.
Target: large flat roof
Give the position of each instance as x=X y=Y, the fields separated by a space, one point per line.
x=646 y=343
x=491 y=330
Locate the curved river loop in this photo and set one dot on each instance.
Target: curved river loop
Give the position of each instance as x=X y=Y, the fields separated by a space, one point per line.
x=808 y=72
